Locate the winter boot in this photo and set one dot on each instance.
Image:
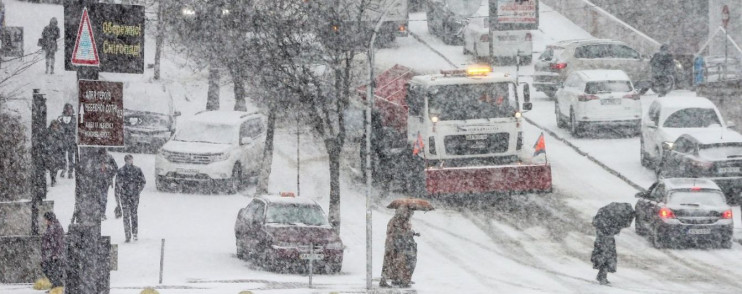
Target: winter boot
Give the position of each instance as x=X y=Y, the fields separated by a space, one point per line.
x=603 y=277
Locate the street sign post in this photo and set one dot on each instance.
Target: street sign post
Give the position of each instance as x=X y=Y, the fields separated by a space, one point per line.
x=311 y=256
x=101 y=114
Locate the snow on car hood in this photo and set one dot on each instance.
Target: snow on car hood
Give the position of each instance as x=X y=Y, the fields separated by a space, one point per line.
x=195 y=147
x=672 y=134
x=301 y=233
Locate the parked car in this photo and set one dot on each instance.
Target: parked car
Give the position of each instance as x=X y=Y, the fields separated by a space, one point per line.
x=670 y=117
x=507 y=44
x=676 y=210
x=276 y=231
x=149 y=115
x=561 y=59
x=597 y=97
x=213 y=148
x=713 y=155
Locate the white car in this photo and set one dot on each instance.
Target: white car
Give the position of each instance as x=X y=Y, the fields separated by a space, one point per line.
x=507 y=44
x=670 y=117
x=213 y=148
x=605 y=97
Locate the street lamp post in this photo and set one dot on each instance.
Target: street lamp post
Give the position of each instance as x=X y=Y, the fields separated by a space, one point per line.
x=369 y=109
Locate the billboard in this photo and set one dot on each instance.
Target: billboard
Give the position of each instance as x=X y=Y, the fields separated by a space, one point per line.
x=107 y=36
x=513 y=15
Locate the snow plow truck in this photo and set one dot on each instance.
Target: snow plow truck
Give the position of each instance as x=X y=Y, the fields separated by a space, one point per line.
x=457 y=132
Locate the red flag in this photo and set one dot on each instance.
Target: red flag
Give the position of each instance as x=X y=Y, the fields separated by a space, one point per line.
x=540 y=146
x=419 y=144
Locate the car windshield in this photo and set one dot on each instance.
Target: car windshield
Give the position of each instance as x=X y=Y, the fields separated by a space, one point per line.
x=692 y=118
x=606 y=51
x=472 y=101
x=206 y=133
x=293 y=214
x=607 y=87
x=721 y=151
x=712 y=198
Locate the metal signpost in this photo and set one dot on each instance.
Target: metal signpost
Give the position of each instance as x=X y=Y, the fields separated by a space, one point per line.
x=101 y=114
x=311 y=256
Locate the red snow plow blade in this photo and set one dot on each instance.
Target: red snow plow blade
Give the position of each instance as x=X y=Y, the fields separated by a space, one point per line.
x=489 y=179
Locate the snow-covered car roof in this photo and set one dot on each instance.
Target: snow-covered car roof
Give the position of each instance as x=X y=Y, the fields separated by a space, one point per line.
x=577 y=42
x=440 y=79
x=151 y=97
x=680 y=102
x=687 y=183
x=273 y=198
x=226 y=117
x=603 y=75
x=722 y=135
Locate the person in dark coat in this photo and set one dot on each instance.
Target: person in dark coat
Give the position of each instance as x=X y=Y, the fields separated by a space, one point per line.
x=129 y=184
x=68 y=122
x=663 y=64
x=604 y=256
x=400 y=250
x=48 y=43
x=54 y=150
x=608 y=222
x=110 y=170
x=52 y=250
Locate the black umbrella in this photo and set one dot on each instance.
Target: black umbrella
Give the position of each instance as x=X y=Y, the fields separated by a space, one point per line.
x=613 y=217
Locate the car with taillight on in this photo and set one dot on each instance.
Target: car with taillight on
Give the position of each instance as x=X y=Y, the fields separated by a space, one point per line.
x=561 y=59
x=149 y=116
x=213 y=149
x=279 y=232
x=506 y=44
x=683 y=210
x=713 y=155
x=669 y=117
x=598 y=97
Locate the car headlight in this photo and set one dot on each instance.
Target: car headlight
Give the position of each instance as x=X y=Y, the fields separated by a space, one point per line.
x=220 y=157
x=337 y=245
x=667 y=145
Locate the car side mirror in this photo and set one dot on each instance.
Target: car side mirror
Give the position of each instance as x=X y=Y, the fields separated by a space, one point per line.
x=176 y=113
x=527 y=106
x=526 y=94
x=245 y=140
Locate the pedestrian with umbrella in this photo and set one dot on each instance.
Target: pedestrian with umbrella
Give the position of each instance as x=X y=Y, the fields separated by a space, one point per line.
x=400 y=249
x=608 y=222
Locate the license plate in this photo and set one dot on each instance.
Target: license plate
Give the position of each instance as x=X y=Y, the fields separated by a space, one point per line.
x=315 y=256
x=729 y=169
x=476 y=137
x=699 y=231
x=186 y=171
x=479 y=145
x=610 y=101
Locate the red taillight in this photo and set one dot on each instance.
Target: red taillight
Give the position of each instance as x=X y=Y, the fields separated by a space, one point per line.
x=666 y=213
x=727 y=214
x=558 y=65
x=528 y=36
x=402 y=28
x=484 y=38
x=695 y=189
x=586 y=97
x=632 y=96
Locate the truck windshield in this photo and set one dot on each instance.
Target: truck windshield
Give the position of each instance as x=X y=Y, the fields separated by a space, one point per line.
x=472 y=101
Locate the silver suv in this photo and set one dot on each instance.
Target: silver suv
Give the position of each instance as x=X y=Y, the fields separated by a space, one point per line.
x=564 y=57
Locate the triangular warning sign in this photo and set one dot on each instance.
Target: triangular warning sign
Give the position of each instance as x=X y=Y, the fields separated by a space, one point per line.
x=85 y=52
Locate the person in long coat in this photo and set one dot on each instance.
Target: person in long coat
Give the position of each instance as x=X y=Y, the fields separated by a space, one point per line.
x=52 y=250
x=604 y=256
x=129 y=184
x=54 y=150
x=68 y=122
x=400 y=250
x=48 y=43
x=608 y=222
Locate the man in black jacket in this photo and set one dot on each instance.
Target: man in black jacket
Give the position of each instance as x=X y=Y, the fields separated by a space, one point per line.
x=48 y=43
x=68 y=122
x=129 y=183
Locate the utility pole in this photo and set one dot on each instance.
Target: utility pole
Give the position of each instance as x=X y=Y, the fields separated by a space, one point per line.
x=159 y=38
x=38 y=142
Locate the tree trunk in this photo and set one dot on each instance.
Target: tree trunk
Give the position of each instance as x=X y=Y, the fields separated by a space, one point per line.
x=159 y=38
x=239 y=93
x=267 y=162
x=212 y=96
x=333 y=151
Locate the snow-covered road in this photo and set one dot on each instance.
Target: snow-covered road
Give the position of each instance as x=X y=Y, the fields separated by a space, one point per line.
x=522 y=244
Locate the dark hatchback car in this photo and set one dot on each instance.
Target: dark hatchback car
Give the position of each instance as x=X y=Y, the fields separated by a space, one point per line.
x=678 y=211
x=716 y=155
x=276 y=232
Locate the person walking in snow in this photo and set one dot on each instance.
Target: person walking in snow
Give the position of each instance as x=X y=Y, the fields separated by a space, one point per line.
x=52 y=250
x=109 y=171
x=69 y=130
x=54 y=150
x=129 y=184
x=48 y=43
x=608 y=222
x=400 y=250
